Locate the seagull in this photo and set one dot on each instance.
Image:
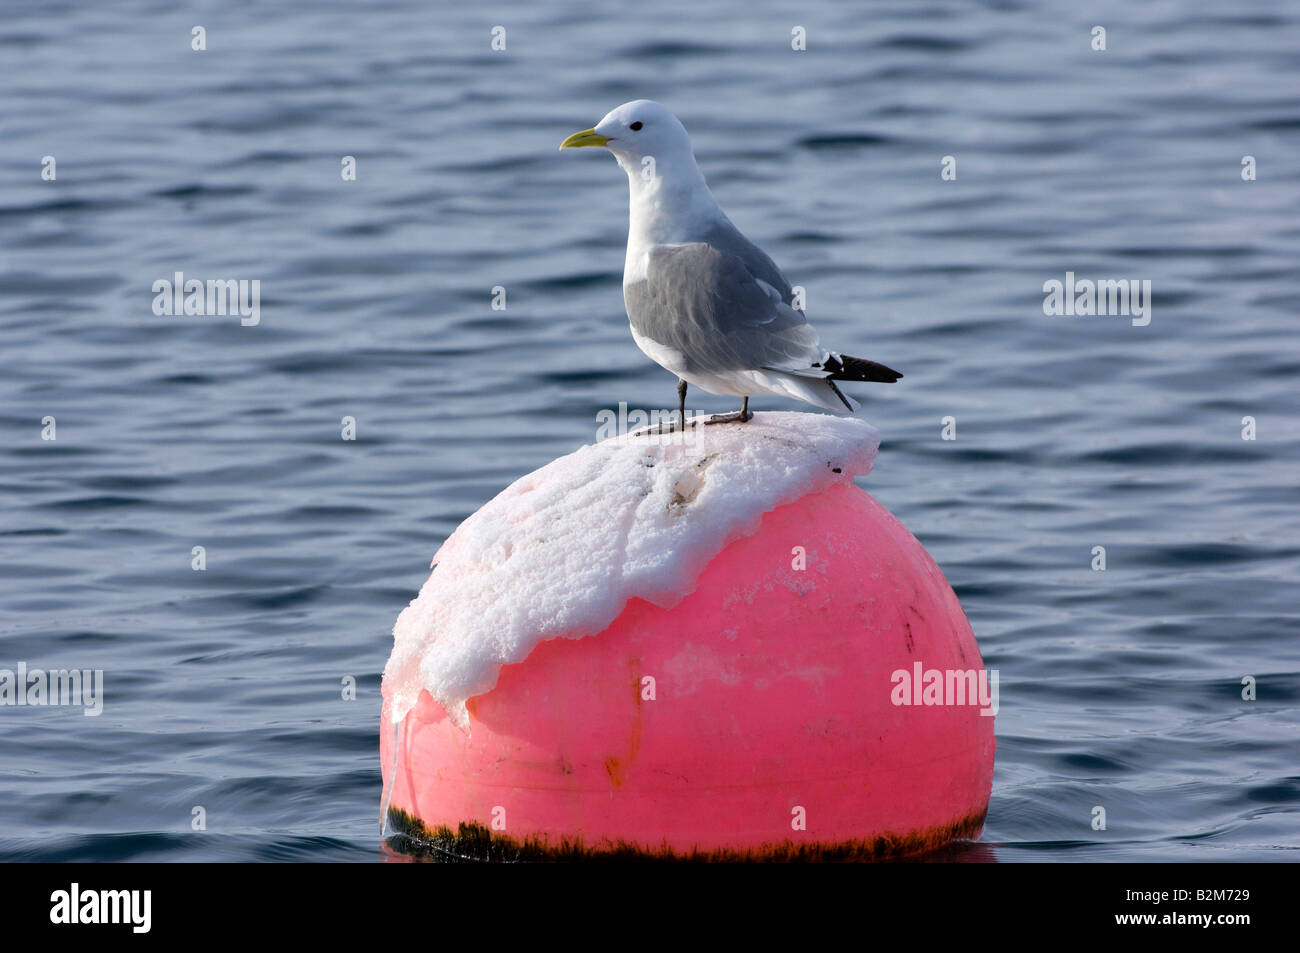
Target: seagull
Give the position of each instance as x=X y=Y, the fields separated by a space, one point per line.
x=705 y=302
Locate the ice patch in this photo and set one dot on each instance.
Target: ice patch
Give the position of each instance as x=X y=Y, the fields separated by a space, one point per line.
x=560 y=551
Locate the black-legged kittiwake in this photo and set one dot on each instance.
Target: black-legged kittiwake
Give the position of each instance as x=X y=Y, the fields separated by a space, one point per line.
x=703 y=300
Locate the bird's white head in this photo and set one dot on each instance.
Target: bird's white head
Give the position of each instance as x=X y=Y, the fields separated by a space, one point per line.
x=639 y=131
x=669 y=199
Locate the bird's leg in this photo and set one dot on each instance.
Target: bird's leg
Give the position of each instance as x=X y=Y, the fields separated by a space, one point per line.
x=739 y=417
x=667 y=426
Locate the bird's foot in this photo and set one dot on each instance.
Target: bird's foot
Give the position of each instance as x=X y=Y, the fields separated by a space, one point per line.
x=735 y=417
x=666 y=427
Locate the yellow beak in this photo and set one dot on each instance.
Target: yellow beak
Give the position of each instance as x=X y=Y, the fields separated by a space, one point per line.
x=587 y=137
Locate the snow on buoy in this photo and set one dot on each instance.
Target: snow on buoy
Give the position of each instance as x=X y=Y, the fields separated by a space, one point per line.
x=706 y=646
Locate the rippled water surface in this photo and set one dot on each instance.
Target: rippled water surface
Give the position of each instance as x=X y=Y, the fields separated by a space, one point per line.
x=1119 y=688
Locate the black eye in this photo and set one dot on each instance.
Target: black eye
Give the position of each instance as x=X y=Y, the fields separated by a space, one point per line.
x=636 y=126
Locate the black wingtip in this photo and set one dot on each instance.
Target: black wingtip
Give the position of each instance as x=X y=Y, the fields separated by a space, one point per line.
x=859 y=369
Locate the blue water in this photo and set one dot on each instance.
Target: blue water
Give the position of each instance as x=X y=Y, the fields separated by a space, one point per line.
x=1120 y=688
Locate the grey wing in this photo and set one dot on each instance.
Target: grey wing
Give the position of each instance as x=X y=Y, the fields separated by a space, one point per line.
x=725 y=237
x=707 y=303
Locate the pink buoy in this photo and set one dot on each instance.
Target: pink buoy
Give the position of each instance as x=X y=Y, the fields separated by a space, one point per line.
x=815 y=692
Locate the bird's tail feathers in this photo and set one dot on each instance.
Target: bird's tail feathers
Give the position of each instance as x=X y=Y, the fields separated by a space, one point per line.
x=849 y=402
x=817 y=391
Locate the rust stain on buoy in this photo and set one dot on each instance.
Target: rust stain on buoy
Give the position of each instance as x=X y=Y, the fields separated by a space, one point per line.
x=615 y=772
